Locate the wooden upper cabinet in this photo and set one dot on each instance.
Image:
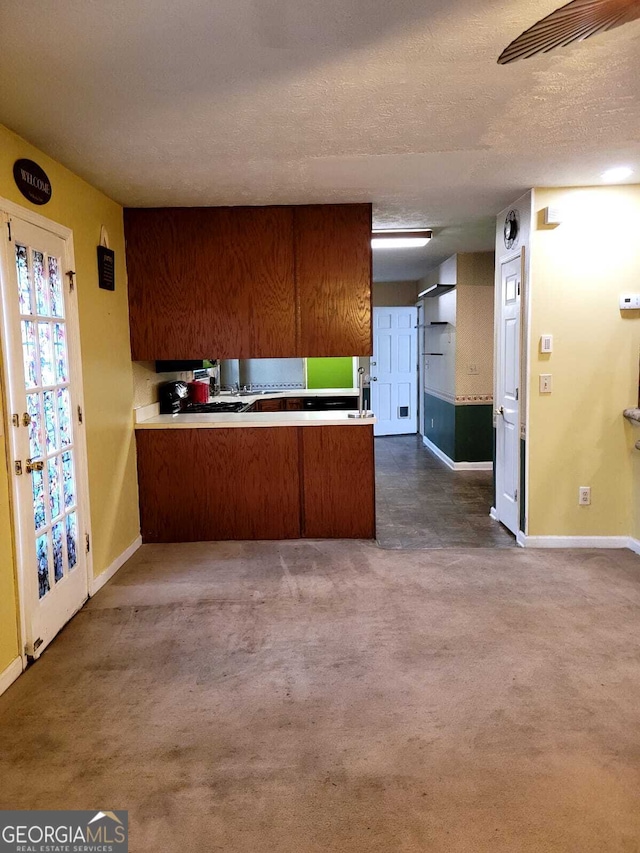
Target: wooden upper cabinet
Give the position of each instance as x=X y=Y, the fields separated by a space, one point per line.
x=333 y=277
x=212 y=282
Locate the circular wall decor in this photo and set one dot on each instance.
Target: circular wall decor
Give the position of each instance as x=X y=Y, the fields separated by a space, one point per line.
x=511 y=229
x=32 y=181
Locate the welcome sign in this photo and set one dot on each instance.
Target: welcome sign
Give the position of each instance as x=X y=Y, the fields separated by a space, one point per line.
x=64 y=832
x=32 y=181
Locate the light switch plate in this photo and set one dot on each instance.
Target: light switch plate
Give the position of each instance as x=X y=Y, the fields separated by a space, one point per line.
x=545 y=383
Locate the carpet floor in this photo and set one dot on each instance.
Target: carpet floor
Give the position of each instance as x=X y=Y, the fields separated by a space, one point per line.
x=333 y=697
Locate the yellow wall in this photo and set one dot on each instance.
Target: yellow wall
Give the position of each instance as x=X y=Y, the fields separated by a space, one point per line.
x=577 y=435
x=106 y=360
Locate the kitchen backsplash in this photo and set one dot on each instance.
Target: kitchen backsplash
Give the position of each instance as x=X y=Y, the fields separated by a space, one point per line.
x=146 y=382
x=259 y=373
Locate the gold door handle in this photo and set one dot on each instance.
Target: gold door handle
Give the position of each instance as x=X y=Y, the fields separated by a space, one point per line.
x=34 y=466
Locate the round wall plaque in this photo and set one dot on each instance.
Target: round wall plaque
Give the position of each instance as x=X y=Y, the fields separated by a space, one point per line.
x=32 y=181
x=511 y=229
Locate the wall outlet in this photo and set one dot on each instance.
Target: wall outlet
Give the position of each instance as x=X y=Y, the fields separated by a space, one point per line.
x=545 y=383
x=584 y=496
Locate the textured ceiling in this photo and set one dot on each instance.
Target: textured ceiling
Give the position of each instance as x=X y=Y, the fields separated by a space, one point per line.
x=268 y=101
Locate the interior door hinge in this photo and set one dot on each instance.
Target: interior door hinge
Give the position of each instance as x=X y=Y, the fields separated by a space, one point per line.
x=71 y=275
x=517 y=393
x=88 y=541
x=79 y=414
x=9 y=229
x=515 y=495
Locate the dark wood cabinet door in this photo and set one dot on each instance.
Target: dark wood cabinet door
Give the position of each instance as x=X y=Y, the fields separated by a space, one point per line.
x=294 y=404
x=333 y=277
x=276 y=405
x=211 y=282
x=338 y=482
x=199 y=485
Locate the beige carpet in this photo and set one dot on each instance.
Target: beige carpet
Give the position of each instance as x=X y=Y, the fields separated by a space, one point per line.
x=325 y=697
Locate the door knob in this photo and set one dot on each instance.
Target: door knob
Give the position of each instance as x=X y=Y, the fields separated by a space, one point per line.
x=374 y=363
x=34 y=466
x=374 y=378
x=500 y=411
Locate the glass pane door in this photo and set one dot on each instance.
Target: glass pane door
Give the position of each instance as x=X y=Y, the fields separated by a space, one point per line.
x=45 y=358
x=46 y=437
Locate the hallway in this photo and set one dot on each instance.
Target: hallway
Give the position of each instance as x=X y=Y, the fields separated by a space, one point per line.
x=333 y=697
x=421 y=503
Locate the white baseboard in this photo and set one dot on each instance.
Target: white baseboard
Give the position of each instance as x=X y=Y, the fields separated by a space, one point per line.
x=9 y=675
x=455 y=466
x=578 y=542
x=110 y=571
x=634 y=545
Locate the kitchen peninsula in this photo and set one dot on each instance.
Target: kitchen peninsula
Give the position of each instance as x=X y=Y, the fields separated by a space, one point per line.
x=256 y=475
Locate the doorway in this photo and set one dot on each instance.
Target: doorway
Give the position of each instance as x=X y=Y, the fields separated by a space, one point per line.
x=394 y=371
x=507 y=404
x=46 y=445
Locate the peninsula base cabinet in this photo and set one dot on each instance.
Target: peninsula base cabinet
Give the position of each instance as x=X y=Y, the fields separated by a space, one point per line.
x=200 y=485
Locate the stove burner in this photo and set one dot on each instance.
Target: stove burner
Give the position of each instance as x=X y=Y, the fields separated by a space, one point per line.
x=213 y=408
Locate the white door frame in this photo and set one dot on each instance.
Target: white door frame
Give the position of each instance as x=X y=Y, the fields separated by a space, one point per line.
x=518 y=254
x=9 y=210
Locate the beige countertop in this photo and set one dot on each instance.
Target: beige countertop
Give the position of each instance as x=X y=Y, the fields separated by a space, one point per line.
x=225 y=420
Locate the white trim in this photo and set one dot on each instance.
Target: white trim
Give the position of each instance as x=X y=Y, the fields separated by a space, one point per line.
x=455 y=466
x=96 y=584
x=9 y=675
x=36 y=219
x=441 y=395
x=634 y=545
x=473 y=466
x=493 y=513
x=577 y=542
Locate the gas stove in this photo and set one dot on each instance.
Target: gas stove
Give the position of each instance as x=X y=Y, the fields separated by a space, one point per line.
x=213 y=408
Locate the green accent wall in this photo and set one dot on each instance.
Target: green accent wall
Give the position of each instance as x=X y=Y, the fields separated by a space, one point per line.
x=443 y=416
x=474 y=434
x=329 y=373
x=463 y=433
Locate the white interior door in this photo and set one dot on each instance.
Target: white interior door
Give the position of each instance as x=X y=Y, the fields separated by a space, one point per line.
x=394 y=371
x=507 y=406
x=48 y=464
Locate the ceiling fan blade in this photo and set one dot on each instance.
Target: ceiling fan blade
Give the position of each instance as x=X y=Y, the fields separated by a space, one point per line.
x=576 y=21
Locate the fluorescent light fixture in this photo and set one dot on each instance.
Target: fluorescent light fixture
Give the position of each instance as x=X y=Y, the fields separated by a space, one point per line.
x=397 y=239
x=614 y=176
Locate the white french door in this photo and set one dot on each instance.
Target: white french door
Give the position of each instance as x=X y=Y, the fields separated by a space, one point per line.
x=46 y=444
x=507 y=397
x=394 y=371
